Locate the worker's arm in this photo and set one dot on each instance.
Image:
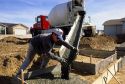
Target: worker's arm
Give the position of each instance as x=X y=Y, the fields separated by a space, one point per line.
x=74 y=49
x=25 y=64
x=62 y=42
x=28 y=59
x=55 y=57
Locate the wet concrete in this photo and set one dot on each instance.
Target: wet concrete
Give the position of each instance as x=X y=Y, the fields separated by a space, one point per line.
x=74 y=79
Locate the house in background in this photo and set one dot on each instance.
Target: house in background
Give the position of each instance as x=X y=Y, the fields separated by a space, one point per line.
x=2 y=29
x=114 y=27
x=11 y=28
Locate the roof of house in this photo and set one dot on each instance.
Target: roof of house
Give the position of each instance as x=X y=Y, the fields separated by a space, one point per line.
x=123 y=19
x=2 y=25
x=114 y=22
x=10 y=25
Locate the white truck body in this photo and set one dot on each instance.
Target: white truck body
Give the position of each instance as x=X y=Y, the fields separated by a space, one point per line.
x=63 y=14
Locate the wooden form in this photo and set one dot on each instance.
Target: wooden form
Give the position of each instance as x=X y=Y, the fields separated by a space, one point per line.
x=94 y=68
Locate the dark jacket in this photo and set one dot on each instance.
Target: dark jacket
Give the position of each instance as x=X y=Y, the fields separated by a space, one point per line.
x=43 y=44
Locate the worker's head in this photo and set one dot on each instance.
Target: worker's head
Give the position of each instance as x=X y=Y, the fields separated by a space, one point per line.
x=57 y=35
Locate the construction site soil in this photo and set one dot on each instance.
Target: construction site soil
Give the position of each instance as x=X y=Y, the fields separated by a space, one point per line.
x=13 y=51
x=98 y=43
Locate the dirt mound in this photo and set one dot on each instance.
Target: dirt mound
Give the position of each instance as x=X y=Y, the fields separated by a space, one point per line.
x=12 y=39
x=11 y=57
x=12 y=53
x=98 y=43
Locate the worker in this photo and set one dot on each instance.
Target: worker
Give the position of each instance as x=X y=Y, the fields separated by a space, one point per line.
x=43 y=45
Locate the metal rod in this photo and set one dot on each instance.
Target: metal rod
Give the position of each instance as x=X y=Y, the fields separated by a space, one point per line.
x=114 y=76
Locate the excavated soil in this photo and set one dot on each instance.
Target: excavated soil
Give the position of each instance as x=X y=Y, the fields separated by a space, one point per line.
x=13 y=51
x=98 y=43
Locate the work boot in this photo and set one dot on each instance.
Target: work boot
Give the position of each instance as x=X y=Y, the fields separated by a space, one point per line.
x=66 y=77
x=65 y=70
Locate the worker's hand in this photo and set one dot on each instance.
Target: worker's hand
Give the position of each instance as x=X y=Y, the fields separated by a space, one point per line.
x=64 y=62
x=75 y=50
x=16 y=77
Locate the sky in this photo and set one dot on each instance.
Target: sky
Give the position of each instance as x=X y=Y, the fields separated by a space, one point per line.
x=25 y=11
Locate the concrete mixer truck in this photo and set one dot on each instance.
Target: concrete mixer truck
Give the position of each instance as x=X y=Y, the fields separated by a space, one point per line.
x=61 y=16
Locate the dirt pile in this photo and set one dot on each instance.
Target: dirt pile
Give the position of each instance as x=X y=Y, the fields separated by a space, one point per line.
x=11 y=55
x=11 y=39
x=98 y=42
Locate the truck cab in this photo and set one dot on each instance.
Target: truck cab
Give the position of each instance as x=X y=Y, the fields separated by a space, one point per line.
x=42 y=23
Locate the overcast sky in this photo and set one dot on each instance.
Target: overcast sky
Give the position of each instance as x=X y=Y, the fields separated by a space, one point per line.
x=24 y=11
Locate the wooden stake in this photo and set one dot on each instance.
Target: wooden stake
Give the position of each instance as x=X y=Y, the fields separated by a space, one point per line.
x=21 y=80
x=22 y=76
